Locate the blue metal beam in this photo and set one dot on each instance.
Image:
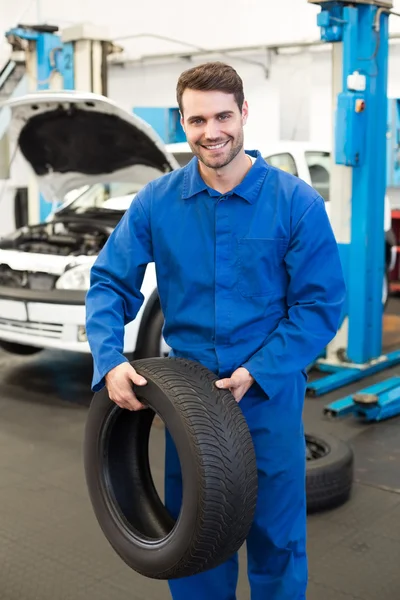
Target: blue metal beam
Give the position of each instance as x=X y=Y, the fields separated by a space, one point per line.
x=374 y=403
x=346 y=375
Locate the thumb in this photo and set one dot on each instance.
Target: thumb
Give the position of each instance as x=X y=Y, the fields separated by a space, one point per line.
x=136 y=378
x=224 y=384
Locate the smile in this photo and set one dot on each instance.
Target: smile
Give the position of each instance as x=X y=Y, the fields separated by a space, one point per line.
x=216 y=146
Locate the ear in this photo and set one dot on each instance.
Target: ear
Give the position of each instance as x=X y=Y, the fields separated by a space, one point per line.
x=245 y=112
x=182 y=121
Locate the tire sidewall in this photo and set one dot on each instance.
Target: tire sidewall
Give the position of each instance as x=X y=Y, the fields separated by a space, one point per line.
x=152 y=338
x=144 y=558
x=338 y=451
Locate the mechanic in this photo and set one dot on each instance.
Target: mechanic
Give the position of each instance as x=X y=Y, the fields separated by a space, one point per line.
x=251 y=286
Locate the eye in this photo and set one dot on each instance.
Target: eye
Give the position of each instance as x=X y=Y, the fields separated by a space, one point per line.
x=223 y=117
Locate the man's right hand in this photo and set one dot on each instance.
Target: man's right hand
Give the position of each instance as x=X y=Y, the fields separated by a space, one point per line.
x=119 y=385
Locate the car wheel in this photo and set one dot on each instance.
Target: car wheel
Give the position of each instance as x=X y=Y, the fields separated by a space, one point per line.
x=154 y=344
x=329 y=472
x=20 y=349
x=218 y=466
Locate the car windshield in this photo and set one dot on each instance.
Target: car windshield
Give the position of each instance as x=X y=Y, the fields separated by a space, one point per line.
x=319 y=165
x=101 y=197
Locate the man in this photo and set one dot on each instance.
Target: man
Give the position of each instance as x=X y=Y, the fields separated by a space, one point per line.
x=251 y=286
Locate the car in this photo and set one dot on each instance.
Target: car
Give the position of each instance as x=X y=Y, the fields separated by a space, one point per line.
x=90 y=157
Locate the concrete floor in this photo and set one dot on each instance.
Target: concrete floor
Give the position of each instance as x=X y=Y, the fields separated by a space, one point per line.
x=51 y=546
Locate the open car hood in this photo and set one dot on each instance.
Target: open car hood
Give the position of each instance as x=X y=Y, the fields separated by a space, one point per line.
x=73 y=139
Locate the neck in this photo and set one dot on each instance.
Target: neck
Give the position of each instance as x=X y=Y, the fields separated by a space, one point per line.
x=225 y=179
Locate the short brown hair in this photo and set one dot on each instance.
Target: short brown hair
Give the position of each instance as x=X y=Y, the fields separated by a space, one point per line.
x=209 y=77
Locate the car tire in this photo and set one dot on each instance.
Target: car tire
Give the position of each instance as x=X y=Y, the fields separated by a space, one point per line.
x=151 y=346
x=329 y=472
x=218 y=468
x=19 y=349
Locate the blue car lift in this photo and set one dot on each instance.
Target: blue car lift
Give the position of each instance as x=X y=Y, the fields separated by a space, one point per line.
x=359 y=33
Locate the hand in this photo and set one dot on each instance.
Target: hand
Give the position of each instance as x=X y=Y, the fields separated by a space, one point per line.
x=119 y=385
x=239 y=383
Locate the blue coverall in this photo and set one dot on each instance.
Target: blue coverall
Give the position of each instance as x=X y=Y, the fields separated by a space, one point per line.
x=248 y=278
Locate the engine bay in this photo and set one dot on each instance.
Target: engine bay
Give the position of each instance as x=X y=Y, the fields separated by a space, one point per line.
x=69 y=238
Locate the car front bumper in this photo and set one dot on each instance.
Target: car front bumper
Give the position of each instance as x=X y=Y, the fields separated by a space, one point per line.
x=45 y=319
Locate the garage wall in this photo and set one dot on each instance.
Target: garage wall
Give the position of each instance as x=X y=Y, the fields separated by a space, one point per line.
x=209 y=24
x=294 y=102
x=279 y=103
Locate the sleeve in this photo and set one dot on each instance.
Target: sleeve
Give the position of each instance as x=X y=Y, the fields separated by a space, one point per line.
x=315 y=298
x=114 y=297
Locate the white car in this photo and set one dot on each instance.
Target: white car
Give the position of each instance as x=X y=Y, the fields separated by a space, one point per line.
x=92 y=156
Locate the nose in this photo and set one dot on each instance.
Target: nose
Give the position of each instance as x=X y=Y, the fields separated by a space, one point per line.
x=212 y=130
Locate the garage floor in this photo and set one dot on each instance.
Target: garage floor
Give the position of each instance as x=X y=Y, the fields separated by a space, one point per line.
x=51 y=546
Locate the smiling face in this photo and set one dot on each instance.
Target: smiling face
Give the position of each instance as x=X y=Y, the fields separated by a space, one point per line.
x=213 y=124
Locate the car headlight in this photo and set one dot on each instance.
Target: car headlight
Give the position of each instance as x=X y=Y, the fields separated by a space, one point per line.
x=77 y=278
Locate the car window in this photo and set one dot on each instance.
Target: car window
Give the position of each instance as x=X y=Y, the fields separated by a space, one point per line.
x=319 y=166
x=284 y=161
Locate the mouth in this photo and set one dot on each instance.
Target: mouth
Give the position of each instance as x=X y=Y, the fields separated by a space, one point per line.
x=215 y=147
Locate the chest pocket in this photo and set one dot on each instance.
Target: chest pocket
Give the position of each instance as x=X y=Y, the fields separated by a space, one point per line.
x=261 y=266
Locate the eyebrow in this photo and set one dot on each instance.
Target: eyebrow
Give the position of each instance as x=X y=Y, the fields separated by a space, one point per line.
x=224 y=112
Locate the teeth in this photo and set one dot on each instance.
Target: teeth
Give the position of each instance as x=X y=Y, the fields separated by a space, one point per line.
x=216 y=147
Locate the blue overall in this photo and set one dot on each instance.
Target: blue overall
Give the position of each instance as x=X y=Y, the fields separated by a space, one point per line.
x=249 y=278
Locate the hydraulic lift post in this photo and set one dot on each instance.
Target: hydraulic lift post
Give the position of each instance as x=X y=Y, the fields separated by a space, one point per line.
x=359 y=34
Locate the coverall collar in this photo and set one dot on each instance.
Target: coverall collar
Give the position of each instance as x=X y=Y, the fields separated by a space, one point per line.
x=247 y=189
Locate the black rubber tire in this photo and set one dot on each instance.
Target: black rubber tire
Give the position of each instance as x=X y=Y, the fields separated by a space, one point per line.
x=329 y=478
x=151 y=343
x=218 y=468
x=19 y=349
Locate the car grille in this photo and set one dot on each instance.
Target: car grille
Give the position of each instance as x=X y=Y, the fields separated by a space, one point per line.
x=49 y=330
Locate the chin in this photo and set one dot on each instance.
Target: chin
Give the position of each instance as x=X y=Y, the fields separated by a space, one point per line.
x=215 y=163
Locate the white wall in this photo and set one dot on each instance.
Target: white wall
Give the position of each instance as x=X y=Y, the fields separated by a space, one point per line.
x=279 y=105
x=155 y=86
x=211 y=23
x=293 y=103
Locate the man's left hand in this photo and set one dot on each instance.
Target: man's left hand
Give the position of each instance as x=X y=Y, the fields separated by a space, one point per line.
x=238 y=383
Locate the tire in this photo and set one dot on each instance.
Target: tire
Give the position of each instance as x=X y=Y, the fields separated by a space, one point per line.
x=152 y=338
x=218 y=468
x=19 y=349
x=329 y=472
x=385 y=290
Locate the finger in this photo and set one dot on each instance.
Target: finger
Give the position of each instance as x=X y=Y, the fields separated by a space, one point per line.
x=132 y=402
x=119 y=402
x=126 y=398
x=129 y=404
x=224 y=384
x=137 y=379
